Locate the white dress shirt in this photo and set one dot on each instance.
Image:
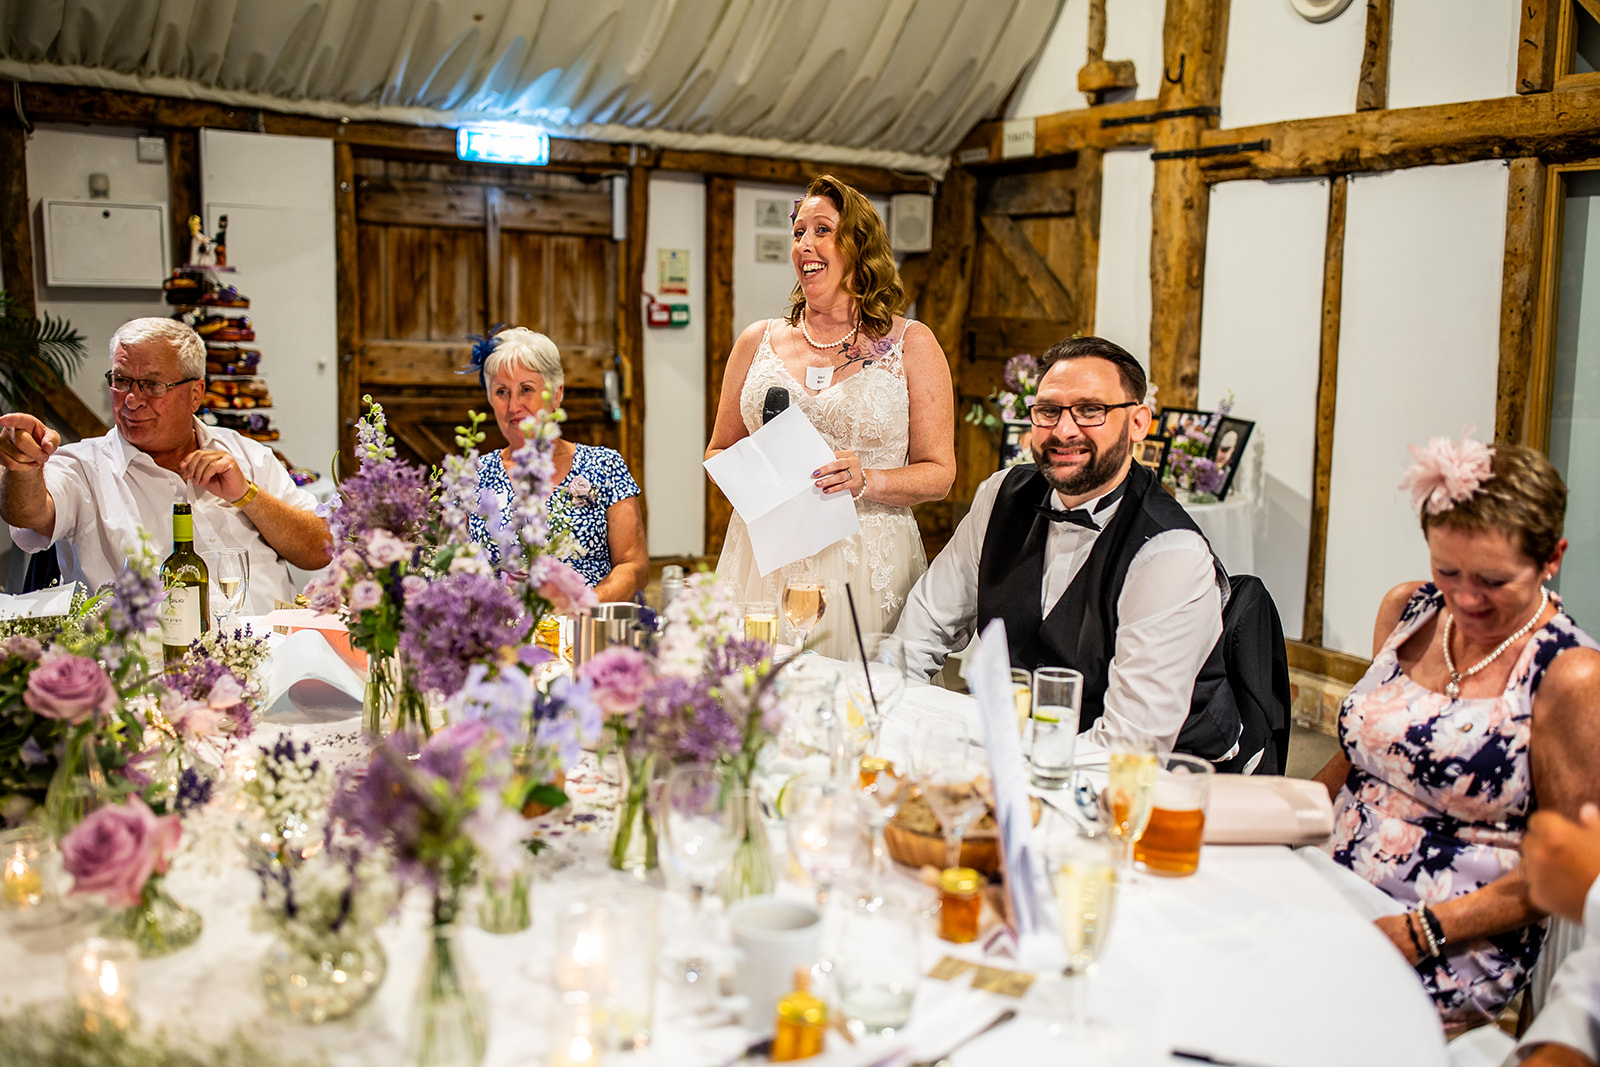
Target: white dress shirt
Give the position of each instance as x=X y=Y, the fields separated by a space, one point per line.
x=106 y=492
x=1571 y=1014
x=1169 y=612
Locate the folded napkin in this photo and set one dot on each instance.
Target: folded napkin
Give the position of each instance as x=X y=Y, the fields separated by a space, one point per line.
x=307 y=681
x=1266 y=810
x=292 y=620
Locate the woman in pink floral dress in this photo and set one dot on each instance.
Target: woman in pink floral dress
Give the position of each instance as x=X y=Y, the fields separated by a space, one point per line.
x=1482 y=703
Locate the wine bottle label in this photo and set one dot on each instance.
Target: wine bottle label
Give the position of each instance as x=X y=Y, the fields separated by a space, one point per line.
x=180 y=615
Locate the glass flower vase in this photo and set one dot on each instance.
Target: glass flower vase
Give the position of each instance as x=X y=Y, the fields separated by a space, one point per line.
x=507 y=904
x=78 y=785
x=317 y=982
x=633 y=842
x=392 y=701
x=751 y=873
x=158 y=924
x=449 y=1019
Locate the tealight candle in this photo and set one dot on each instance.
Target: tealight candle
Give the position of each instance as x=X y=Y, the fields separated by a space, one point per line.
x=572 y=1038
x=23 y=853
x=102 y=976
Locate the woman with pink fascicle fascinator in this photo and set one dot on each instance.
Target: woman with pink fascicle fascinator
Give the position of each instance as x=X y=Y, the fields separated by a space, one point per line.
x=1482 y=703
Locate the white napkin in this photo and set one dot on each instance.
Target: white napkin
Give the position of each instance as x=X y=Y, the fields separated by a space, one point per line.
x=39 y=604
x=1266 y=810
x=309 y=682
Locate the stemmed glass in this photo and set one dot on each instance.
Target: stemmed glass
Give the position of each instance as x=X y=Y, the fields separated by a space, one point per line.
x=823 y=829
x=874 y=688
x=1083 y=876
x=805 y=601
x=704 y=824
x=229 y=569
x=1129 y=794
x=947 y=768
x=881 y=789
x=811 y=723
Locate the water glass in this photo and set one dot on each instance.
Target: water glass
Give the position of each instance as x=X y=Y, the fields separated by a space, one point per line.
x=878 y=970
x=703 y=821
x=1057 y=700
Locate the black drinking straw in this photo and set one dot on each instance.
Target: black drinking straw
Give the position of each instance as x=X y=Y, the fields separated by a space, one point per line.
x=855 y=621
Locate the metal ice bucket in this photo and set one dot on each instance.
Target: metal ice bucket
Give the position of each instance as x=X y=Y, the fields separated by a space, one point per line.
x=606 y=625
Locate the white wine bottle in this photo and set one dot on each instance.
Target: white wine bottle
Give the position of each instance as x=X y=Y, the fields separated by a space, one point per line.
x=186 y=611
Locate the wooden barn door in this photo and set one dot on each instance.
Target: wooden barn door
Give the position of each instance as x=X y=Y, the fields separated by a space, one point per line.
x=1033 y=277
x=448 y=250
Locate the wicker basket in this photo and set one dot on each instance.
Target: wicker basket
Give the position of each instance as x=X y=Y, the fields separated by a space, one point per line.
x=914 y=838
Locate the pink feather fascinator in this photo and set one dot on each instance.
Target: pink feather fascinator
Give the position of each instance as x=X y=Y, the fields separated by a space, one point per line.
x=1446 y=472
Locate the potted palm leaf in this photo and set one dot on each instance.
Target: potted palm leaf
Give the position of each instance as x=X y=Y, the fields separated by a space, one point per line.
x=34 y=351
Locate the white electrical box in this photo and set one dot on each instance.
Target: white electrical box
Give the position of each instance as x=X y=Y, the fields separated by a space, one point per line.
x=105 y=245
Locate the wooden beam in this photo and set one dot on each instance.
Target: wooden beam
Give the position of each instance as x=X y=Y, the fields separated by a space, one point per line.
x=1194 y=40
x=493 y=267
x=1520 y=298
x=1026 y=260
x=1536 y=45
x=183 y=187
x=791 y=171
x=1327 y=394
x=720 y=333
x=347 y=293
x=1372 y=90
x=1314 y=659
x=1557 y=127
x=1064 y=132
x=947 y=293
x=630 y=323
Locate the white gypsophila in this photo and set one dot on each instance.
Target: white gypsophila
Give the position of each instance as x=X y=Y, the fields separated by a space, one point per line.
x=333 y=895
x=290 y=781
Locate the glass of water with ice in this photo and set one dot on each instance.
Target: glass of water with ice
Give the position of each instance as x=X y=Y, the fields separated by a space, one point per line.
x=1057 y=699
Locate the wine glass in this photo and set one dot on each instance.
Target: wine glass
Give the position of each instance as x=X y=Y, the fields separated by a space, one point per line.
x=1083 y=877
x=881 y=789
x=808 y=692
x=947 y=769
x=229 y=569
x=703 y=825
x=875 y=687
x=823 y=830
x=805 y=601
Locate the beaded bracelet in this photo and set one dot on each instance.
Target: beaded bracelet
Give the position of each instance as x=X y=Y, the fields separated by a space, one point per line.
x=863 y=491
x=1435 y=930
x=1427 y=931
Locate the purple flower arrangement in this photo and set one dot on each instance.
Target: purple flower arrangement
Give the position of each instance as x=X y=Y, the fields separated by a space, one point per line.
x=1189 y=466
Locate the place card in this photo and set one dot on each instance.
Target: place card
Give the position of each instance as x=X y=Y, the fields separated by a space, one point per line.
x=999 y=980
x=950 y=968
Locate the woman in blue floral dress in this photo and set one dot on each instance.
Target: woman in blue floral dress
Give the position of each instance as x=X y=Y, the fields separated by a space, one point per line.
x=595 y=497
x=1482 y=703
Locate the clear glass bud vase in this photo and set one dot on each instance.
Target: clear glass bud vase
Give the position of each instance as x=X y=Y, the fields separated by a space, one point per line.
x=392 y=701
x=450 y=1020
x=752 y=872
x=315 y=983
x=633 y=843
x=158 y=924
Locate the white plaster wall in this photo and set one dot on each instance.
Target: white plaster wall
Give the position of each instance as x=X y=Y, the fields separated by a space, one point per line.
x=761 y=290
x=1418 y=355
x=674 y=376
x=1279 y=66
x=1122 y=277
x=60 y=160
x=1259 y=339
x=1442 y=51
x=278 y=195
x=1133 y=31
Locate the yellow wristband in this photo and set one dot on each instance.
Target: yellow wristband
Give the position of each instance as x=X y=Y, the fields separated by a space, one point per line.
x=249 y=495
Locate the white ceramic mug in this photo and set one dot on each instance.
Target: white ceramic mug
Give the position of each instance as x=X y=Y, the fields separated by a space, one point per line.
x=773 y=937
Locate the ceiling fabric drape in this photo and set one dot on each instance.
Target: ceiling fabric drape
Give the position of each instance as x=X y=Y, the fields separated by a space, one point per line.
x=892 y=83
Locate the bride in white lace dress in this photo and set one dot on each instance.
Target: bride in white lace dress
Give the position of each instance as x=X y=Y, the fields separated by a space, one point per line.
x=875 y=385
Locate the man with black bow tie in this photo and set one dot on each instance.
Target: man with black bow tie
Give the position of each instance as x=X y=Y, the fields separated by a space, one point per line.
x=1091 y=565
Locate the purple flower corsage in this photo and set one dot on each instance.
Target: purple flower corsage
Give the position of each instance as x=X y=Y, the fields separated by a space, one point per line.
x=581 y=492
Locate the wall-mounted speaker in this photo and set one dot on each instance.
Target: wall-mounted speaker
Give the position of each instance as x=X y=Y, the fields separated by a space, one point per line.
x=911 y=222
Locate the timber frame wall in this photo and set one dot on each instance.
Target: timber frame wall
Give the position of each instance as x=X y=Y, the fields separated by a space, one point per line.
x=1554 y=120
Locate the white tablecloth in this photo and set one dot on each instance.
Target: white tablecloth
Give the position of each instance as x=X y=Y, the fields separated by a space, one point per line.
x=1230 y=527
x=1252 y=959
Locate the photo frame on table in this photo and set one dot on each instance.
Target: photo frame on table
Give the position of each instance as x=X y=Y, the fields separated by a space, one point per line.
x=1175 y=421
x=1227 y=449
x=1151 y=453
x=1013 y=440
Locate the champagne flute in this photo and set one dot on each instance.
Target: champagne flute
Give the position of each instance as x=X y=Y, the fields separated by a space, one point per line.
x=230 y=581
x=947 y=769
x=805 y=601
x=704 y=824
x=1128 y=797
x=1083 y=877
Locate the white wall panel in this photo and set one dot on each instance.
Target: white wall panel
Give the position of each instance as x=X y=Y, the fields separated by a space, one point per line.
x=1279 y=66
x=1133 y=31
x=1259 y=340
x=675 y=376
x=1122 y=284
x=1418 y=355
x=1442 y=51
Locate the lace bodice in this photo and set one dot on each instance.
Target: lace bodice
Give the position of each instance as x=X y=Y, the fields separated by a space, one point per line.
x=868 y=412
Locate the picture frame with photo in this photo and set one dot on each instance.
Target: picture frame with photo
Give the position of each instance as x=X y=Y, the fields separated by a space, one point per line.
x=1175 y=421
x=1227 y=449
x=1152 y=453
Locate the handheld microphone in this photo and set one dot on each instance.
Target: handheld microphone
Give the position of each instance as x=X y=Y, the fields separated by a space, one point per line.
x=777 y=402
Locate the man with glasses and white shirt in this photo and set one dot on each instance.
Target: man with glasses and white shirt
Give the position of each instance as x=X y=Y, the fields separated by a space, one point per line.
x=1091 y=565
x=92 y=499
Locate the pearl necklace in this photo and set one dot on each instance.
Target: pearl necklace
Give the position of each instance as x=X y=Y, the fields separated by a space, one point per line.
x=1453 y=689
x=843 y=342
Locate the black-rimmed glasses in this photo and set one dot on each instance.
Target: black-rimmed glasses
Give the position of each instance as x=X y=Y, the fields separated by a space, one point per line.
x=121 y=383
x=1047 y=415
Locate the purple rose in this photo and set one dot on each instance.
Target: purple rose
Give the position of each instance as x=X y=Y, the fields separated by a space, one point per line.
x=117 y=848
x=70 y=688
x=620 y=676
x=21 y=647
x=365 y=594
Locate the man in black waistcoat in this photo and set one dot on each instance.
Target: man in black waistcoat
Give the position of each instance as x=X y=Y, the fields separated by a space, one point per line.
x=1091 y=565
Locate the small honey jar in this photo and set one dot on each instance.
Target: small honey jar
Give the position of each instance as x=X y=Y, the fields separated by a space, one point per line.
x=960 y=904
x=802 y=1022
x=548 y=635
x=871 y=767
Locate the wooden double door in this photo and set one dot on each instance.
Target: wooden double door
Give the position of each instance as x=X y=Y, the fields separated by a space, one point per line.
x=445 y=251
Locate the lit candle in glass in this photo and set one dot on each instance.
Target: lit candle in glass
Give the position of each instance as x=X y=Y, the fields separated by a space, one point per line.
x=572 y=1039
x=102 y=975
x=23 y=854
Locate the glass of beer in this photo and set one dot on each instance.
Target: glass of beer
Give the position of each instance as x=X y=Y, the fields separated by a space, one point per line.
x=761 y=622
x=1057 y=699
x=804 y=603
x=1170 y=844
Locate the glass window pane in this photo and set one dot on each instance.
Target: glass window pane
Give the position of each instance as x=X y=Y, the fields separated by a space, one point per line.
x=1575 y=399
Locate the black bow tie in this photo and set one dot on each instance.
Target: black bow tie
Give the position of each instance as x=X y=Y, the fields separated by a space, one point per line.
x=1077 y=516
